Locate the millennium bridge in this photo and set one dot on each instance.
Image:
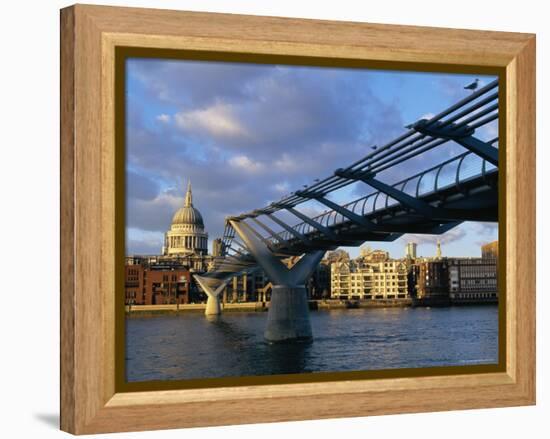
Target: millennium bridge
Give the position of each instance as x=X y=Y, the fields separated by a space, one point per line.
x=464 y=187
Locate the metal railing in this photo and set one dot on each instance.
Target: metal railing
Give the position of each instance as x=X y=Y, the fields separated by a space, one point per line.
x=453 y=172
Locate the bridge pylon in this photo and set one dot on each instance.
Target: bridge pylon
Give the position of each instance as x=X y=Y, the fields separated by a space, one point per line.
x=213 y=305
x=288 y=315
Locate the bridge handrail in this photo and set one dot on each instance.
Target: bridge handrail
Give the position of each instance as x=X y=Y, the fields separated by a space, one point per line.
x=324 y=218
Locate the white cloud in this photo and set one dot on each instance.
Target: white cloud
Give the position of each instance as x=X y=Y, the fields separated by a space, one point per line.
x=153 y=214
x=219 y=120
x=486 y=232
x=287 y=163
x=164 y=118
x=243 y=163
x=143 y=242
x=282 y=188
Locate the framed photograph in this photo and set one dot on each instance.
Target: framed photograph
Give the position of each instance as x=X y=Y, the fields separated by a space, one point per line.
x=267 y=219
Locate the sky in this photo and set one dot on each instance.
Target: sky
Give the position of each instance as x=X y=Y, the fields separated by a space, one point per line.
x=248 y=134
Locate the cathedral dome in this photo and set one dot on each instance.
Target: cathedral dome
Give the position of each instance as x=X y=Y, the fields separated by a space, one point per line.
x=188 y=215
x=186 y=236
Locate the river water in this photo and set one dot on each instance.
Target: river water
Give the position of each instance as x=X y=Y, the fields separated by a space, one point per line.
x=176 y=347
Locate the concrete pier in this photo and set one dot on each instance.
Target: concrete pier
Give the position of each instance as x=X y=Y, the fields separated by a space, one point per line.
x=213 y=305
x=288 y=315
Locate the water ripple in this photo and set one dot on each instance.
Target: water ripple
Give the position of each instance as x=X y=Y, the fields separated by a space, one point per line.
x=189 y=346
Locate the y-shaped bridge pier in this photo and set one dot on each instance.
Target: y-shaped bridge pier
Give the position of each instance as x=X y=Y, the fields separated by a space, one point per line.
x=288 y=316
x=212 y=287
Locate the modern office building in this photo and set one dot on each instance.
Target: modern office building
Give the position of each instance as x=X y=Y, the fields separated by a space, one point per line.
x=473 y=280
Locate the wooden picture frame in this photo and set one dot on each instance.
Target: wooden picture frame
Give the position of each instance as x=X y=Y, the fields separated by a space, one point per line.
x=91 y=402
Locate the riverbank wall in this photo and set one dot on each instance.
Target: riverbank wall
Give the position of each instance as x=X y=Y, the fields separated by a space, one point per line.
x=264 y=306
x=195 y=307
x=143 y=310
x=351 y=304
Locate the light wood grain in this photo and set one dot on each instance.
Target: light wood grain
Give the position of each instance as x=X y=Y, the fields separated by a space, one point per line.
x=521 y=164
x=372 y=41
x=89 y=36
x=311 y=389
x=68 y=305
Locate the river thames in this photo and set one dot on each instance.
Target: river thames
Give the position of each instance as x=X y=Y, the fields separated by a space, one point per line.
x=190 y=346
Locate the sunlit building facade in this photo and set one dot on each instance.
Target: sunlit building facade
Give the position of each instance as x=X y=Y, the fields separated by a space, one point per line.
x=358 y=280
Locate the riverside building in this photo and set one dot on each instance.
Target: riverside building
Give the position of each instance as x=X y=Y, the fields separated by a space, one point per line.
x=429 y=282
x=364 y=279
x=473 y=280
x=455 y=280
x=154 y=284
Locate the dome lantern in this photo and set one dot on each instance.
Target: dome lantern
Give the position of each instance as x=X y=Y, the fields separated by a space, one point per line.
x=188 y=196
x=188 y=215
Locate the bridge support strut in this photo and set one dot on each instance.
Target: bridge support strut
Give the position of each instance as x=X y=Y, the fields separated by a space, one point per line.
x=213 y=305
x=288 y=315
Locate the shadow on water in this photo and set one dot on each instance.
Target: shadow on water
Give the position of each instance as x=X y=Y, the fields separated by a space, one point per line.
x=289 y=357
x=277 y=358
x=227 y=329
x=213 y=318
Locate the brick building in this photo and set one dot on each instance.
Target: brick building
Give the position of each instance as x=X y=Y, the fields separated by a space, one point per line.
x=156 y=285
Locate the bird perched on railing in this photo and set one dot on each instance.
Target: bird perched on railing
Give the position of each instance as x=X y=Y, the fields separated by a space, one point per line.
x=472 y=86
